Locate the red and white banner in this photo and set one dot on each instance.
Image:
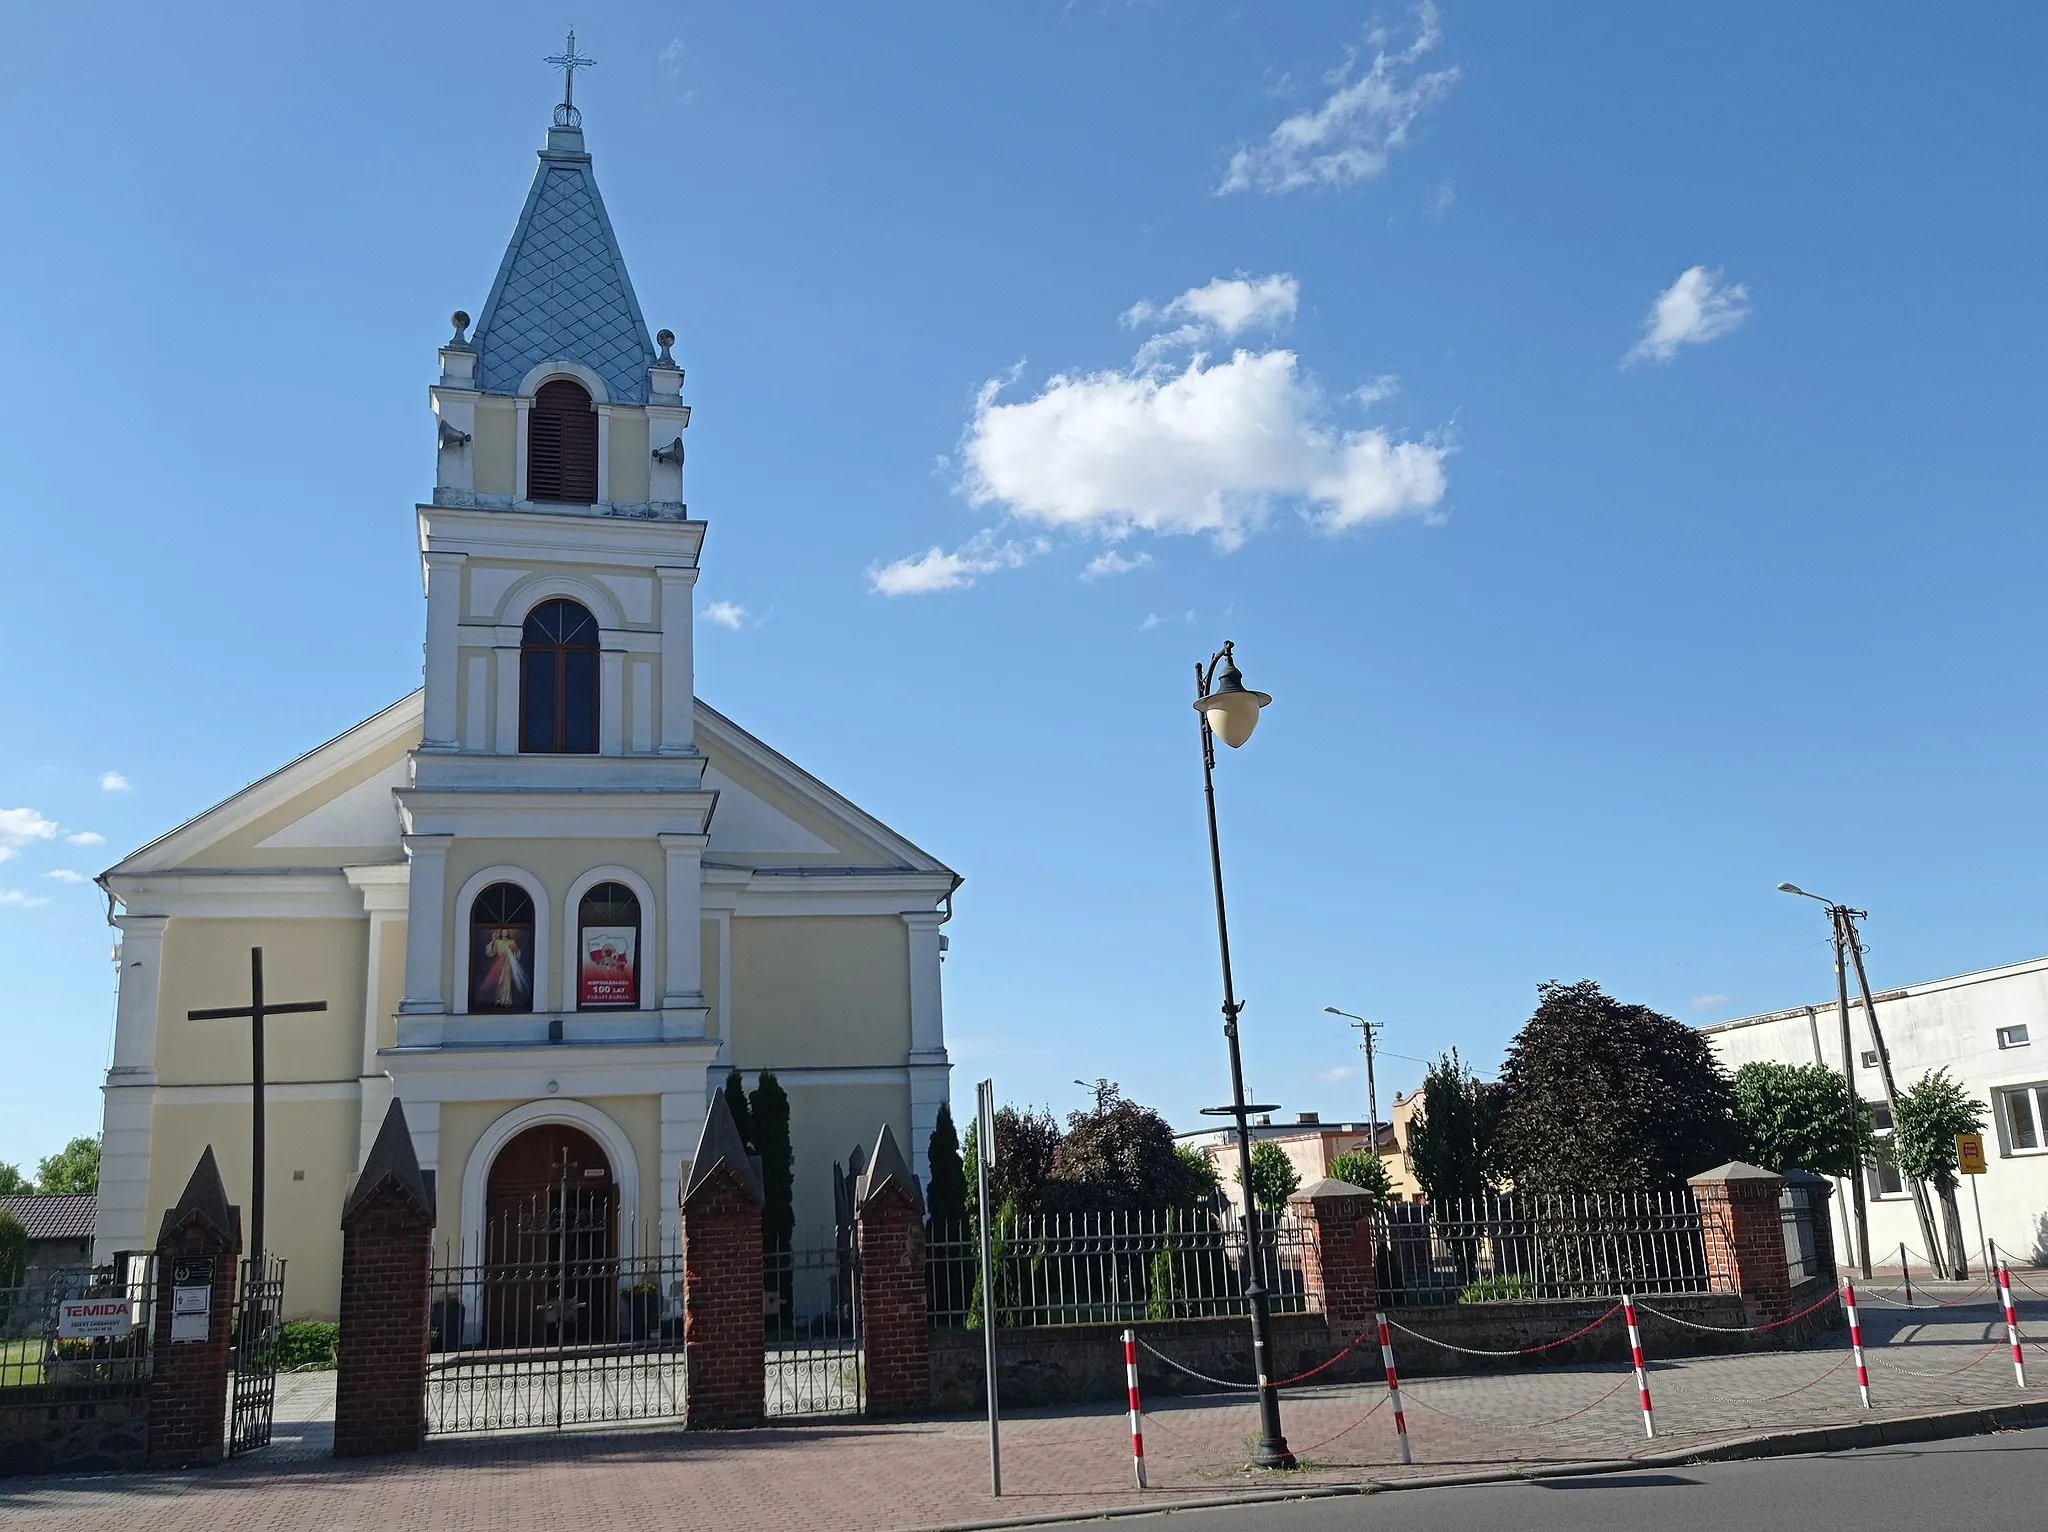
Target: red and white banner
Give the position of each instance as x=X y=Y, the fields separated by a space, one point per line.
x=608 y=965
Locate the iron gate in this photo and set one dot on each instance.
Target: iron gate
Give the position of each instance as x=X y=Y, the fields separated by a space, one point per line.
x=549 y=1326
x=259 y=1311
x=811 y=1314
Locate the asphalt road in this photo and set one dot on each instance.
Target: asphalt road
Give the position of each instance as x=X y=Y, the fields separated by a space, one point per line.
x=1983 y=1481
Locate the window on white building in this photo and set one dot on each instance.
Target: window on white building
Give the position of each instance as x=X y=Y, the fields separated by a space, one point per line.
x=2012 y=1037
x=2026 y=1118
x=1884 y=1177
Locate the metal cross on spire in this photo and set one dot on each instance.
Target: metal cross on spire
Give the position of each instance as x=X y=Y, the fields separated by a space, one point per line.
x=569 y=61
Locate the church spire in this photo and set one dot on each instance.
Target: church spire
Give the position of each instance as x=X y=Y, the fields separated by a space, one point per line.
x=569 y=61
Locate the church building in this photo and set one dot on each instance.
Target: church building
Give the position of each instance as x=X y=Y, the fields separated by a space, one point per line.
x=550 y=899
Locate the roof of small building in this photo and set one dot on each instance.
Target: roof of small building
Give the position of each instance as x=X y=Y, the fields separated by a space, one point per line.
x=65 y=1215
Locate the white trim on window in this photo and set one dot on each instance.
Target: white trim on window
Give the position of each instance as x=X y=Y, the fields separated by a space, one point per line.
x=2021 y=1113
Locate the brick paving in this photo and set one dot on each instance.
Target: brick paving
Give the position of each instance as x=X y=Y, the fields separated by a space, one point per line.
x=869 y=1476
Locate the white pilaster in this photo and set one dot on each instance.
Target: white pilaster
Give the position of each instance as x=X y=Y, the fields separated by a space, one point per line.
x=604 y=454
x=444 y=618
x=426 y=925
x=682 y=1124
x=930 y=1069
x=506 y=656
x=678 y=660
x=611 y=702
x=383 y=888
x=142 y=946
x=682 y=1000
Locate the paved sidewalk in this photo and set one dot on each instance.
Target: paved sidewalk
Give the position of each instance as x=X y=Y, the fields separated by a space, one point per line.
x=871 y=1476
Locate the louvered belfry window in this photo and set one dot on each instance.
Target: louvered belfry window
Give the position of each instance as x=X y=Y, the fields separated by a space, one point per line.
x=561 y=444
x=558 y=681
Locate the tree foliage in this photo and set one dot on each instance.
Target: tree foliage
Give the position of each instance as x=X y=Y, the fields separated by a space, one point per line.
x=945 y=1200
x=1799 y=1117
x=1366 y=1171
x=13 y=1252
x=768 y=1117
x=1451 y=1138
x=74 y=1168
x=1599 y=1096
x=1930 y=1114
x=1199 y=1181
x=1117 y=1156
x=13 y=1183
x=1274 y=1178
x=1026 y=1142
x=742 y=1114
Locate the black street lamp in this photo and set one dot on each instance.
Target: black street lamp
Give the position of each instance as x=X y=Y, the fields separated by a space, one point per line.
x=1230 y=711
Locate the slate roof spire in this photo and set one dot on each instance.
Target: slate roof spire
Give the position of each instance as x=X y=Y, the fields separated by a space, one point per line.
x=562 y=293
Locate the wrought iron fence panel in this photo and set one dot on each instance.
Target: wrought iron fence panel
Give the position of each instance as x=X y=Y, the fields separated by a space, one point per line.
x=811 y=1329
x=259 y=1326
x=1802 y=1243
x=1501 y=1248
x=109 y=1350
x=1112 y=1267
x=549 y=1326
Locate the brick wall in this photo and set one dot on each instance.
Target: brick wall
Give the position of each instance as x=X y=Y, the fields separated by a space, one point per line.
x=722 y=1291
x=1745 y=1238
x=62 y=1428
x=895 y=1324
x=380 y=1383
x=188 y=1386
x=1337 y=1265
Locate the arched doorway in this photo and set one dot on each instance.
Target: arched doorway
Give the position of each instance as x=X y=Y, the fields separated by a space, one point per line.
x=551 y=1216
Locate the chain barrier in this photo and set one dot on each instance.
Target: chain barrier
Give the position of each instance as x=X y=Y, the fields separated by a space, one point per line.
x=1693 y=1324
x=1540 y=1425
x=1519 y=1351
x=1878 y=1293
x=1847 y=1358
x=1368 y=1415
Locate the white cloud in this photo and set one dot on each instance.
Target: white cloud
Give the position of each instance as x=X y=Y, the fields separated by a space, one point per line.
x=1709 y=1002
x=727 y=614
x=22 y=827
x=65 y=875
x=1377 y=390
x=1110 y=562
x=1355 y=132
x=86 y=838
x=1339 y=1075
x=935 y=569
x=114 y=782
x=16 y=898
x=1204 y=450
x=1695 y=309
x=1226 y=304
x=1440 y=200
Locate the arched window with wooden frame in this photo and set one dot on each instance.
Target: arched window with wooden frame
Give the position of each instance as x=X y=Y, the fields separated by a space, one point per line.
x=558 y=680
x=501 y=950
x=608 y=949
x=561 y=444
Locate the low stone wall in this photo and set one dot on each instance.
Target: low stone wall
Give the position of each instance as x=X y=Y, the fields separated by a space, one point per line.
x=1058 y=1364
x=56 y=1428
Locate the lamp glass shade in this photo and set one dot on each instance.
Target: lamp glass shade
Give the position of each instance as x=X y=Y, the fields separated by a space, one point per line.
x=1233 y=715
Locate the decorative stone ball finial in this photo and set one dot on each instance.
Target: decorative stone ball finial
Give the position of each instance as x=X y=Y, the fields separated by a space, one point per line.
x=664 y=339
x=461 y=322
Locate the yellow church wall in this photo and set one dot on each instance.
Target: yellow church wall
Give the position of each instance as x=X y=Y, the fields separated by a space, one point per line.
x=302 y=1217
x=206 y=964
x=820 y=990
x=243 y=848
x=557 y=864
x=826 y=1120
x=496 y=446
x=464 y=1122
x=628 y=461
x=390 y=983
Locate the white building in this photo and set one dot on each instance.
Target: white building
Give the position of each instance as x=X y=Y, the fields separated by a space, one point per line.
x=1990 y=1031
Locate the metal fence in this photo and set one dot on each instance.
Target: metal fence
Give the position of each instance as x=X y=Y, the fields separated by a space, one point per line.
x=86 y=1328
x=259 y=1326
x=811 y=1329
x=1802 y=1244
x=1495 y=1249
x=1099 y=1268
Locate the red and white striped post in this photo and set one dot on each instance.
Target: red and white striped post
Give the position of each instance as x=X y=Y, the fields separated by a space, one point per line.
x=1393 y=1385
x=2012 y=1325
x=1856 y=1341
x=1635 y=1352
x=1137 y=1429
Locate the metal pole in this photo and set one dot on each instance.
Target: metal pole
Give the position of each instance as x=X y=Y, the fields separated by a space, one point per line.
x=1272 y=1451
x=1983 y=1251
x=1855 y=1109
x=982 y=1154
x=1372 y=1092
x=256 y=1168
x=1936 y=1256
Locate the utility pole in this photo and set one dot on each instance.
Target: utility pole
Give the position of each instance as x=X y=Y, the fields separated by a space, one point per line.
x=1855 y=1107
x=1367 y=1030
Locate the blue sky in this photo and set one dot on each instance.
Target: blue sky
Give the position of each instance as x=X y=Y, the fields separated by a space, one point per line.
x=1611 y=435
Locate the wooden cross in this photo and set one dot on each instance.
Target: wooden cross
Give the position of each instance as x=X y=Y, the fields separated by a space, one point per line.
x=255 y=1011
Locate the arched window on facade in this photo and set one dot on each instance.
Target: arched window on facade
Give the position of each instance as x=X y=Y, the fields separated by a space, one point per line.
x=558 y=681
x=501 y=949
x=608 y=948
x=561 y=444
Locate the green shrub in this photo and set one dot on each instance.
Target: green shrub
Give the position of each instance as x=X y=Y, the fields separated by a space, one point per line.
x=307 y=1345
x=1502 y=1289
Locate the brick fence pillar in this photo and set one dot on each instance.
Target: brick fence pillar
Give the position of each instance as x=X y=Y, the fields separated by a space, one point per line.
x=723 y=1279
x=1745 y=1237
x=1337 y=1265
x=387 y=1235
x=195 y=1271
x=895 y=1322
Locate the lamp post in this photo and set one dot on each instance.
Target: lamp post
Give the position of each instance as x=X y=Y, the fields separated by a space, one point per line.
x=1842 y=921
x=1366 y=1030
x=1228 y=710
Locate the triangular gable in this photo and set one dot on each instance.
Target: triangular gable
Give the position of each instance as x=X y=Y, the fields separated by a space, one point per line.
x=290 y=796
